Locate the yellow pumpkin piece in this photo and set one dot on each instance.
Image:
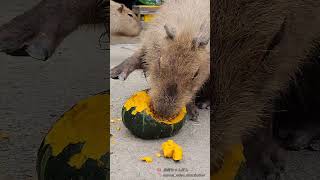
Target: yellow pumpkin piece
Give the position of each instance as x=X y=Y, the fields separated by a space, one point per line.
x=147 y=159
x=172 y=150
x=158 y=154
x=167 y=148
x=177 y=153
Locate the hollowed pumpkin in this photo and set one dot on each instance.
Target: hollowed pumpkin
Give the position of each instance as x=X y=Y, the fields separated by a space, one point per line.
x=138 y=117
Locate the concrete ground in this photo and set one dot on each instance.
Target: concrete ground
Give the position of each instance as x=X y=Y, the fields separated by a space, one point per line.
x=127 y=150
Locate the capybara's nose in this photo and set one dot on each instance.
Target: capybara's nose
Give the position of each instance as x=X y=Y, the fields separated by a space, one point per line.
x=164 y=110
x=171 y=90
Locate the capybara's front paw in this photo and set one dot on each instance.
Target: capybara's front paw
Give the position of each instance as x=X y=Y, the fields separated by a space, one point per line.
x=120 y=72
x=203 y=104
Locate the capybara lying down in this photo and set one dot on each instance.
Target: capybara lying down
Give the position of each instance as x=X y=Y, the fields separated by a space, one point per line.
x=39 y=31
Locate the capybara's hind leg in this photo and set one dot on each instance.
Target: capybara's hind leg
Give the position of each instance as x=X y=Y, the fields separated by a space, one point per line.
x=202 y=99
x=192 y=111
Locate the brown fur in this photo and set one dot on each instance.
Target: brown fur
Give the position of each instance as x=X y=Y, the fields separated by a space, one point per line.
x=256 y=46
x=123 y=21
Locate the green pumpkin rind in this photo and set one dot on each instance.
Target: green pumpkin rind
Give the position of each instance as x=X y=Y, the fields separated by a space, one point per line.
x=56 y=167
x=144 y=126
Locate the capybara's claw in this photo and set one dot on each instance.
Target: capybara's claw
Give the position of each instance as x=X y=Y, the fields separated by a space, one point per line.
x=119 y=73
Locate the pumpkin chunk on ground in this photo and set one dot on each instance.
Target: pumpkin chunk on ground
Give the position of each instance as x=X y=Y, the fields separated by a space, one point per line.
x=158 y=154
x=147 y=159
x=172 y=150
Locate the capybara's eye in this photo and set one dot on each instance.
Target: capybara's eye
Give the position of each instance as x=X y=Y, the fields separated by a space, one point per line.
x=130 y=15
x=196 y=74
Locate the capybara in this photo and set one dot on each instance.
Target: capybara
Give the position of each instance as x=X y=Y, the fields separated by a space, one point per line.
x=174 y=55
x=123 y=21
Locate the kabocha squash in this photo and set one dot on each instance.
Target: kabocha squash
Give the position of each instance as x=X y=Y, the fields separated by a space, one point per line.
x=138 y=117
x=77 y=146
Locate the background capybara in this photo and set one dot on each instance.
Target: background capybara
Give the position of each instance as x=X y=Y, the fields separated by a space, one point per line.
x=174 y=55
x=123 y=21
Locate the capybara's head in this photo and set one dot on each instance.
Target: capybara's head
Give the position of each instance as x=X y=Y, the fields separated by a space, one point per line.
x=176 y=69
x=123 y=21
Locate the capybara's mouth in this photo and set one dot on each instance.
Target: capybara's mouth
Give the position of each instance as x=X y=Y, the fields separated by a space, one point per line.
x=162 y=116
x=159 y=115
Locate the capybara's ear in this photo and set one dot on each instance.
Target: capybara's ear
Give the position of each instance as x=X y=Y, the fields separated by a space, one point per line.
x=120 y=9
x=200 y=42
x=171 y=32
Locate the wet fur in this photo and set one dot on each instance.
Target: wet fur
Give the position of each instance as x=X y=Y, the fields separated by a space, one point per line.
x=256 y=47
